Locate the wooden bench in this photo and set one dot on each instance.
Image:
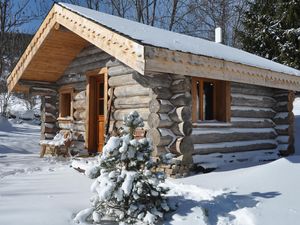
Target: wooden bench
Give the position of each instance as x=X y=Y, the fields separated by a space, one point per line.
x=59 y=145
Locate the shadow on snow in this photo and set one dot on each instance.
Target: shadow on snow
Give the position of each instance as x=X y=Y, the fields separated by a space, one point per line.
x=221 y=205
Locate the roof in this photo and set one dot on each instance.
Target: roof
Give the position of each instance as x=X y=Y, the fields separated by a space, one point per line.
x=67 y=29
x=149 y=35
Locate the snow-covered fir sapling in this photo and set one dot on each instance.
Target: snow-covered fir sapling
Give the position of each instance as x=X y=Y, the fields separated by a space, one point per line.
x=127 y=189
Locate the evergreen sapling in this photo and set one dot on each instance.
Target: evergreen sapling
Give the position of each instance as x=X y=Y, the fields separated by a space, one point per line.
x=127 y=189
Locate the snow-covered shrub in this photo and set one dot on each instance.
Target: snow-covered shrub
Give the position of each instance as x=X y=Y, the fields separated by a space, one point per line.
x=127 y=190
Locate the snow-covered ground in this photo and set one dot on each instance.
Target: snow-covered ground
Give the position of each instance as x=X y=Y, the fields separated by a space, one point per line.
x=37 y=191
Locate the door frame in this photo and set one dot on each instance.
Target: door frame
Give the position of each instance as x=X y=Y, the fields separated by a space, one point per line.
x=91 y=123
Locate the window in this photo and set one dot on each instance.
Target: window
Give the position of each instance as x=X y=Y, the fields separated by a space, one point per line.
x=211 y=100
x=65 y=103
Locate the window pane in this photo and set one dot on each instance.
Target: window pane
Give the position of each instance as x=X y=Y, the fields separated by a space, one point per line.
x=101 y=90
x=65 y=104
x=198 y=101
x=208 y=100
x=101 y=107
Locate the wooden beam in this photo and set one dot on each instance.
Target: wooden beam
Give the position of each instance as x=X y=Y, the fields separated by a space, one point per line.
x=168 y=61
x=126 y=50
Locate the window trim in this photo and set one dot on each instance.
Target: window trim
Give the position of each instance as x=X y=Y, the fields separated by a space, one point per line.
x=66 y=90
x=221 y=86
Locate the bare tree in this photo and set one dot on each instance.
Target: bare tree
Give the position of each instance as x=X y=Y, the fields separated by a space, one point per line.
x=13 y=14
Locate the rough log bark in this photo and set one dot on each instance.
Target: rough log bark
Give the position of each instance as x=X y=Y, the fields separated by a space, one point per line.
x=182 y=129
x=253 y=124
x=79 y=105
x=79 y=114
x=266 y=102
x=48 y=118
x=240 y=88
x=159 y=121
x=122 y=80
x=182 y=146
x=120 y=113
x=181 y=114
x=182 y=85
x=153 y=81
x=132 y=102
x=119 y=70
x=184 y=99
x=131 y=90
x=161 y=93
x=230 y=137
x=158 y=139
x=160 y=106
x=80 y=95
x=252 y=113
x=253 y=147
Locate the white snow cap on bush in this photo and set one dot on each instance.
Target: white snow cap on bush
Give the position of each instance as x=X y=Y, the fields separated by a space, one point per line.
x=127 y=190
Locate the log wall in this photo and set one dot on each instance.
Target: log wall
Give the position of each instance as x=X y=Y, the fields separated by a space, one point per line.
x=253 y=133
x=90 y=58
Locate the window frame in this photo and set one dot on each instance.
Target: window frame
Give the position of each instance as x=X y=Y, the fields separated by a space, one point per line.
x=63 y=91
x=221 y=101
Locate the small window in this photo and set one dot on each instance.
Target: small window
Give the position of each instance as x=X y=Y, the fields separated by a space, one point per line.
x=211 y=100
x=65 y=104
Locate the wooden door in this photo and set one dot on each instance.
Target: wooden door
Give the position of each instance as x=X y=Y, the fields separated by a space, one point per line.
x=100 y=105
x=97 y=107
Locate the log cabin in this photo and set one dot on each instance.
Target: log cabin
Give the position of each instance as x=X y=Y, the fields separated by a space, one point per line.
x=203 y=101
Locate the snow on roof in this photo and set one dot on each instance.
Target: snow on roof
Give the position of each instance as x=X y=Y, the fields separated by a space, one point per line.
x=178 y=42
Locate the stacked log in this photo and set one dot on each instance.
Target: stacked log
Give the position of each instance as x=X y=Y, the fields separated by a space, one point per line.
x=170 y=117
x=129 y=95
x=49 y=115
x=284 y=120
x=252 y=128
x=90 y=58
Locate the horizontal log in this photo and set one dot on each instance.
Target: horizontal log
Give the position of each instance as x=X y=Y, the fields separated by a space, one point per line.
x=48 y=118
x=120 y=113
x=132 y=102
x=159 y=138
x=184 y=99
x=252 y=123
x=255 y=90
x=48 y=136
x=182 y=129
x=80 y=104
x=160 y=106
x=122 y=80
x=182 y=85
x=65 y=125
x=79 y=114
x=119 y=70
x=161 y=93
x=233 y=135
x=113 y=62
x=79 y=127
x=80 y=95
x=252 y=112
x=246 y=100
x=71 y=78
x=182 y=146
x=153 y=81
x=131 y=90
x=159 y=121
x=89 y=59
x=48 y=128
x=227 y=147
x=119 y=123
x=42 y=91
x=180 y=114
x=91 y=49
x=87 y=67
x=50 y=108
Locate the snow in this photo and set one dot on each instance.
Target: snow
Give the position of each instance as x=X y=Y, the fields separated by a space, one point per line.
x=48 y=191
x=179 y=42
